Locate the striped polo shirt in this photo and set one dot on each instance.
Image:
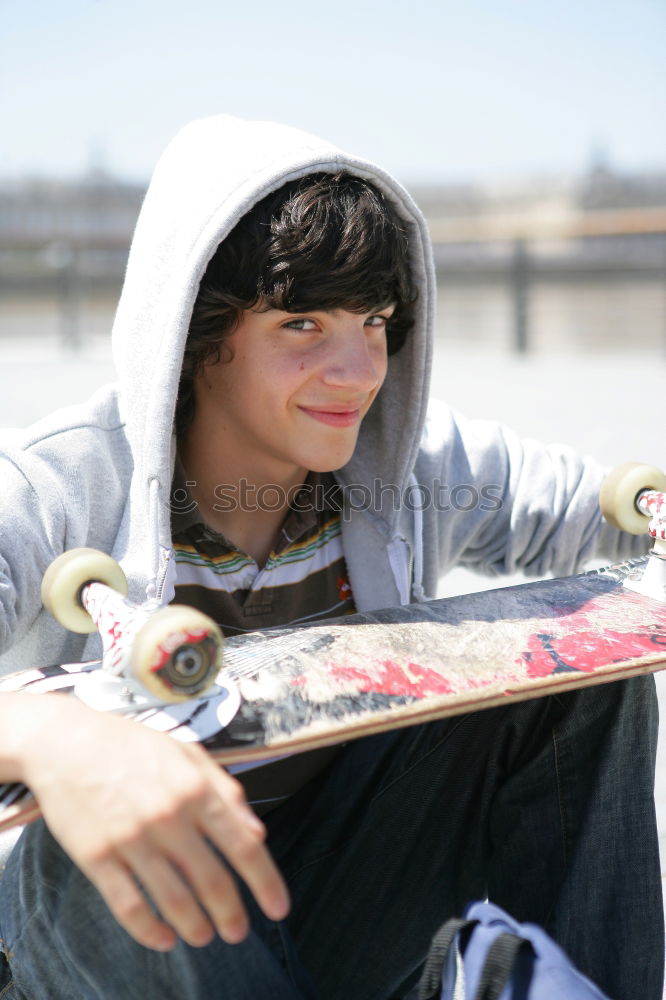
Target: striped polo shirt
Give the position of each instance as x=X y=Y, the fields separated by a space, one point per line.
x=305 y=578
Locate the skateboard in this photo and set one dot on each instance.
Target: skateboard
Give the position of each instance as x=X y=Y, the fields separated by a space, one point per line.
x=293 y=689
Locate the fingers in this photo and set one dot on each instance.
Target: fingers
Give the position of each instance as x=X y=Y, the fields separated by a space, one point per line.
x=194 y=905
x=129 y=906
x=191 y=887
x=214 y=888
x=234 y=829
x=183 y=902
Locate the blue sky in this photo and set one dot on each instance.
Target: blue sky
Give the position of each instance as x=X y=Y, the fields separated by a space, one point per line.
x=465 y=90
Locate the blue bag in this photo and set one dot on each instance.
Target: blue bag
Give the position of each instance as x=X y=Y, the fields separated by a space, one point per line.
x=488 y=955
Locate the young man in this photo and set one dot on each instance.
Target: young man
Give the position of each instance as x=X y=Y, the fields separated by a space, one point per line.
x=278 y=312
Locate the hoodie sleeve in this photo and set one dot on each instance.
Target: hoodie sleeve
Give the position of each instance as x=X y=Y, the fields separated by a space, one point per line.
x=508 y=504
x=64 y=485
x=32 y=532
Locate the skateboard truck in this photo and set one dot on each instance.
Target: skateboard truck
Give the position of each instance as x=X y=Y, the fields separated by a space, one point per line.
x=633 y=498
x=151 y=654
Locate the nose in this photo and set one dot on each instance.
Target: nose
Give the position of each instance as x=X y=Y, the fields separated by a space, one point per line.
x=357 y=358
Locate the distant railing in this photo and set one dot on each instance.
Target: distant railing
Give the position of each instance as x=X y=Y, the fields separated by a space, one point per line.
x=562 y=224
x=63 y=271
x=602 y=247
x=516 y=252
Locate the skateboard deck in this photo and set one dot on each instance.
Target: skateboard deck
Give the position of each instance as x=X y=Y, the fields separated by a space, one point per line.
x=292 y=689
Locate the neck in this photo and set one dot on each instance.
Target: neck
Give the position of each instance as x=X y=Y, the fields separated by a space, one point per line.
x=244 y=501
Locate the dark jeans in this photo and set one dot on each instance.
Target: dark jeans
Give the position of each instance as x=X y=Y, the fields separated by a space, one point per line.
x=546 y=807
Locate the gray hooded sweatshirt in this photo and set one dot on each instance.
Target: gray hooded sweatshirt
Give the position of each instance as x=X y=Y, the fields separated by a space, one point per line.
x=425 y=489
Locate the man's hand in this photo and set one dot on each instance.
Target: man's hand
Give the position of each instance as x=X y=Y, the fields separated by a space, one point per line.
x=132 y=805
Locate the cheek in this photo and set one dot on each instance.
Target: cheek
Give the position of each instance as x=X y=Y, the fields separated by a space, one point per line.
x=381 y=369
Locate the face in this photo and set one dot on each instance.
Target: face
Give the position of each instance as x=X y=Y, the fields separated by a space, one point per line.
x=294 y=395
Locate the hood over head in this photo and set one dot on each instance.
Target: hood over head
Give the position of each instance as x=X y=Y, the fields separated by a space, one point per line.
x=210 y=175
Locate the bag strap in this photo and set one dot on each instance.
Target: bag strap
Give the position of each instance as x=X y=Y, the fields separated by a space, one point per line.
x=430 y=984
x=498 y=966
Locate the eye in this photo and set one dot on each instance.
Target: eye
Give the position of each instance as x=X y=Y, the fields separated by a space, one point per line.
x=300 y=324
x=377 y=321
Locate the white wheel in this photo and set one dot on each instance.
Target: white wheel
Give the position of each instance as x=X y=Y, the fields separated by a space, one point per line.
x=68 y=574
x=177 y=654
x=620 y=489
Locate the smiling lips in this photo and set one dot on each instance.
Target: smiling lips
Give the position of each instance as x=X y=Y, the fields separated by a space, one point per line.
x=334 y=415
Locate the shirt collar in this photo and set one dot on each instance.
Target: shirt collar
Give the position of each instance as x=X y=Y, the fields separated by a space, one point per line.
x=318 y=499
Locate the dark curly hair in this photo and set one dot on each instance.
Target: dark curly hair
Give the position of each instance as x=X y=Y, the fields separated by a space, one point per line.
x=323 y=242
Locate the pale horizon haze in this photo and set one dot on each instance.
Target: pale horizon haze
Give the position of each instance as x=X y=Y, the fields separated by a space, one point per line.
x=435 y=92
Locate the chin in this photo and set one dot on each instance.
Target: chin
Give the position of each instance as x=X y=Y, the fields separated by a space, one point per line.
x=329 y=459
x=325 y=466
x=329 y=463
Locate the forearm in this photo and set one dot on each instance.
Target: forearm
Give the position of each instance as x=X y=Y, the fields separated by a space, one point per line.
x=525 y=506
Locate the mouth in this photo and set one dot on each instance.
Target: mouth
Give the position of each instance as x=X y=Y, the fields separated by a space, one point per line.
x=334 y=415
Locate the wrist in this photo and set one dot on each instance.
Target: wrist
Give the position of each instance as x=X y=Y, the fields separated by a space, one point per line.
x=29 y=725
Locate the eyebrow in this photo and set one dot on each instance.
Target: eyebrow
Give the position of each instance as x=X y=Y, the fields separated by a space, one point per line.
x=262 y=306
x=336 y=309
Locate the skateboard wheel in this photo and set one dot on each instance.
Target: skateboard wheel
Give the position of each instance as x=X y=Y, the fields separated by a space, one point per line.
x=620 y=490
x=176 y=654
x=68 y=574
